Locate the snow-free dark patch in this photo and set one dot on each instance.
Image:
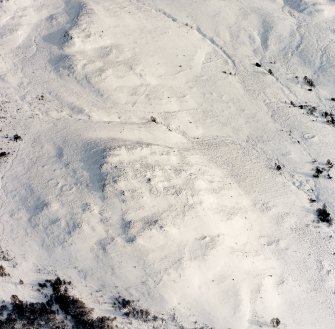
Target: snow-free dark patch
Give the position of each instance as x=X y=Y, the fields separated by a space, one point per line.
x=275 y=322
x=17 y=138
x=153 y=119
x=309 y=82
x=129 y=309
x=330 y=118
x=317 y=172
x=3 y=272
x=5 y=256
x=329 y=164
x=323 y=215
x=61 y=310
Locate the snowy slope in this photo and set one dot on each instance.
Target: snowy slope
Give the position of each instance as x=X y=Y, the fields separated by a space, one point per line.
x=147 y=166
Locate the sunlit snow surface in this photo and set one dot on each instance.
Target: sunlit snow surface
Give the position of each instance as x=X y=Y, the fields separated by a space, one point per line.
x=148 y=162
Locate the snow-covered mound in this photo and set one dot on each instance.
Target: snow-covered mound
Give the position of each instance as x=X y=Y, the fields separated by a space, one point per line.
x=147 y=159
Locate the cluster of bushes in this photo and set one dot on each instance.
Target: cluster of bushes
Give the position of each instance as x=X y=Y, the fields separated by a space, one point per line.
x=128 y=308
x=311 y=110
x=4 y=256
x=3 y=272
x=324 y=215
x=323 y=171
x=309 y=82
x=60 y=311
x=330 y=118
x=260 y=65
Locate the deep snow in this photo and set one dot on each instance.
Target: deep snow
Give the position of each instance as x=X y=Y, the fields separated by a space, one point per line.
x=148 y=161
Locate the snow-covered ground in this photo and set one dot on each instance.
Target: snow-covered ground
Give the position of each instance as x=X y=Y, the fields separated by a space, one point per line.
x=148 y=161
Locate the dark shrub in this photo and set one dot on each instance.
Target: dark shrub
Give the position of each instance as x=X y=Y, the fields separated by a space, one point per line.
x=3 y=272
x=47 y=316
x=309 y=82
x=16 y=138
x=318 y=172
x=153 y=119
x=275 y=322
x=324 y=215
x=43 y=285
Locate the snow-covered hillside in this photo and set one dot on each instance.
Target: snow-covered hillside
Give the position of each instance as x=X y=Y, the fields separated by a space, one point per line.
x=158 y=163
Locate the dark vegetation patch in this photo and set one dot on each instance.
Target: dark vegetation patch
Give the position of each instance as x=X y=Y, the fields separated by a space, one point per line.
x=153 y=119
x=17 y=138
x=67 y=36
x=3 y=154
x=324 y=170
x=275 y=322
x=43 y=285
x=3 y=272
x=61 y=310
x=311 y=110
x=324 y=215
x=5 y=256
x=329 y=116
x=257 y=64
x=309 y=82
x=75 y=309
x=278 y=167
x=228 y=73
x=130 y=310
x=326 y=116
x=317 y=172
